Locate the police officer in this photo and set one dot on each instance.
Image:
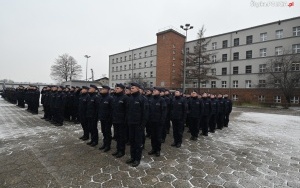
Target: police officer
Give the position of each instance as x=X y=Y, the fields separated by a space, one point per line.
x=52 y=104
x=228 y=109
x=77 y=94
x=21 y=97
x=148 y=95
x=92 y=110
x=137 y=118
x=214 y=113
x=120 y=104
x=206 y=114
x=46 y=104
x=59 y=106
x=82 y=107
x=221 y=114
x=128 y=94
x=165 y=126
x=67 y=109
x=195 y=108
x=105 y=116
x=168 y=121
x=71 y=103
x=157 y=116
x=178 y=117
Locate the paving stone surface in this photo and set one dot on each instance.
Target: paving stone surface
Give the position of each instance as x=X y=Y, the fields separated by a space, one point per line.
x=260 y=148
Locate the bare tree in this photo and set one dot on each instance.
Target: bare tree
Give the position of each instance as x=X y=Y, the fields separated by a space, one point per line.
x=65 y=68
x=283 y=72
x=198 y=67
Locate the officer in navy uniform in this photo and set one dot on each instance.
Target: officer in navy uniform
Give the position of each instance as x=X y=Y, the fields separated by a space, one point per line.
x=59 y=106
x=46 y=103
x=178 y=117
x=195 y=107
x=21 y=97
x=148 y=95
x=52 y=103
x=82 y=107
x=157 y=117
x=228 y=109
x=214 y=113
x=92 y=110
x=71 y=99
x=128 y=94
x=137 y=118
x=77 y=94
x=120 y=104
x=105 y=117
x=206 y=114
x=221 y=113
x=167 y=101
x=168 y=121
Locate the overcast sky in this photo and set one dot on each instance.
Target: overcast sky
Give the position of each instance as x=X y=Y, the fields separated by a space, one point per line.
x=34 y=32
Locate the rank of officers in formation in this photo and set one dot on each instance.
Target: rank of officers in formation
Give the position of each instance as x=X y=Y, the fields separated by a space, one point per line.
x=134 y=112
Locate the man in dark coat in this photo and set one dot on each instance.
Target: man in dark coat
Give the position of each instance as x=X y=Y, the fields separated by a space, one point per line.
x=59 y=106
x=82 y=107
x=214 y=113
x=137 y=118
x=221 y=112
x=149 y=97
x=206 y=114
x=228 y=109
x=92 y=110
x=157 y=116
x=105 y=117
x=195 y=107
x=178 y=117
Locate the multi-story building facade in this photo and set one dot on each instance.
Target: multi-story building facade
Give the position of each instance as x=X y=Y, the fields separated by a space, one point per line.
x=237 y=61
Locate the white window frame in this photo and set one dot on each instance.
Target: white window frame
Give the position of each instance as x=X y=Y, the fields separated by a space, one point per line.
x=294 y=100
x=262 y=83
x=295 y=66
x=263 y=36
x=214 y=45
x=151 y=74
x=262 y=68
x=296 y=31
x=278 y=50
x=279 y=34
x=214 y=58
x=263 y=52
x=277 y=99
x=151 y=63
x=235 y=83
x=235 y=97
x=145 y=74
x=277 y=67
x=296 y=48
x=261 y=98
x=248 y=83
x=145 y=64
x=213 y=71
x=224 y=84
x=213 y=84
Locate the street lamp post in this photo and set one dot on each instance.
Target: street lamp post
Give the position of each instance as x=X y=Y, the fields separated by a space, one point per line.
x=186 y=28
x=87 y=60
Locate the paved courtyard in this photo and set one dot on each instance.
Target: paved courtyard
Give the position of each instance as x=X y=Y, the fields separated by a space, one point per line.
x=261 y=148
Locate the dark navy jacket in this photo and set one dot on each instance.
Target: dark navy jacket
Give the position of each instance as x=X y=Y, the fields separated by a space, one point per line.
x=195 y=107
x=92 y=106
x=214 y=106
x=178 y=109
x=207 y=107
x=105 y=108
x=82 y=107
x=157 y=109
x=138 y=109
x=119 y=105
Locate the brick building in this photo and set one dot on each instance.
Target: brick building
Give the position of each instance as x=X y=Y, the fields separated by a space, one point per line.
x=237 y=61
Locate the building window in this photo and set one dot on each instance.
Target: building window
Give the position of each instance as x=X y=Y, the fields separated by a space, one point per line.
x=213 y=71
x=117 y=68
x=248 y=69
x=120 y=59
x=151 y=53
x=224 y=85
x=236 y=42
x=129 y=66
x=278 y=50
x=203 y=84
x=214 y=45
x=261 y=98
x=151 y=63
x=248 y=83
x=235 y=70
x=140 y=74
x=236 y=56
x=277 y=99
x=277 y=83
x=263 y=52
x=129 y=75
x=174 y=58
x=213 y=84
x=249 y=39
x=224 y=57
x=262 y=68
x=134 y=66
x=224 y=71
x=174 y=52
x=151 y=74
x=120 y=76
x=214 y=58
x=145 y=64
x=134 y=75
x=296 y=48
x=151 y=84
x=235 y=84
x=125 y=76
x=195 y=84
x=140 y=65
x=113 y=60
x=125 y=67
x=295 y=66
x=113 y=69
x=295 y=100
x=121 y=68
x=279 y=34
x=145 y=74
x=225 y=43
x=235 y=97
x=145 y=53
x=117 y=77
x=262 y=83
x=249 y=54
x=125 y=58
x=296 y=31
x=277 y=67
x=113 y=77
x=134 y=56
x=140 y=55
x=263 y=37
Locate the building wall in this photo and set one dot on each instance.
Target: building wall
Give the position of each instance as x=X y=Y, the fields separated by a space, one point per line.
x=169 y=59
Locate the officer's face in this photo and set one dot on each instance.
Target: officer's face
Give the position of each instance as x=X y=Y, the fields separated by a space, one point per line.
x=162 y=93
x=91 y=90
x=134 y=89
x=104 y=91
x=83 y=90
x=127 y=91
x=204 y=95
x=219 y=96
x=167 y=92
x=194 y=94
x=118 y=90
x=148 y=92
x=156 y=92
x=177 y=93
x=59 y=89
